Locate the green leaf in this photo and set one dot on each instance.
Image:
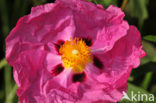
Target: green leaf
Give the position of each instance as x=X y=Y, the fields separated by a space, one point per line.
x=150 y=51
x=134 y=90
x=138 y=9
x=105 y=3
x=143 y=69
x=147 y=80
x=151 y=38
x=148 y=63
x=19 y=10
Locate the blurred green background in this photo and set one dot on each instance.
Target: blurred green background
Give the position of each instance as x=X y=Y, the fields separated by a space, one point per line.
x=141 y=13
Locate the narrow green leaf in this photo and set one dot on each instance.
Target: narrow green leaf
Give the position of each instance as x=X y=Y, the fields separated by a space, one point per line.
x=151 y=38
x=147 y=80
x=16 y=11
x=4 y=17
x=138 y=9
x=24 y=5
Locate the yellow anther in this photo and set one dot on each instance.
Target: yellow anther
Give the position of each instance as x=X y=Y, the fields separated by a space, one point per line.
x=75 y=54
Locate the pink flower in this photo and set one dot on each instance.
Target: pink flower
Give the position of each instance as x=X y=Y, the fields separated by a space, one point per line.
x=73 y=51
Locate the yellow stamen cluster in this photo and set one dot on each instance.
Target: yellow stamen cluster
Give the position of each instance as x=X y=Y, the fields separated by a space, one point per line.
x=75 y=54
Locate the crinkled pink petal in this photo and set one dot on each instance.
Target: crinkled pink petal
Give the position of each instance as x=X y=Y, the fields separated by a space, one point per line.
x=51 y=61
x=119 y=61
x=27 y=70
x=58 y=93
x=45 y=25
x=104 y=27
x=113 y=29
x=64 y=78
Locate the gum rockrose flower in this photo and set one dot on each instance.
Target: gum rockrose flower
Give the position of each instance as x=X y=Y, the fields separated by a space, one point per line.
x=73 y=51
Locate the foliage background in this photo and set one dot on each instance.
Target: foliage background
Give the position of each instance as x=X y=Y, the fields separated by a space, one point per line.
x=141 y=13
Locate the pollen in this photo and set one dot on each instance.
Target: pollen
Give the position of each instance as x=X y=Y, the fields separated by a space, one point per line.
x=75 y=54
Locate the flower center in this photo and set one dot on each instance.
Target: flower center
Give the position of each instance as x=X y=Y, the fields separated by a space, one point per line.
x=75 y=54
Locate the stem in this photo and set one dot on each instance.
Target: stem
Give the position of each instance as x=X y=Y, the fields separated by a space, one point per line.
x=11 y=95
x=124 y=4
x=8 y=86
x=3 y=63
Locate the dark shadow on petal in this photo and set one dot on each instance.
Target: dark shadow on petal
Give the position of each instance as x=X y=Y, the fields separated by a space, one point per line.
x=57 y=69
x=87 y=41
x=80 y=77
x=58 y=45
x=97 y=62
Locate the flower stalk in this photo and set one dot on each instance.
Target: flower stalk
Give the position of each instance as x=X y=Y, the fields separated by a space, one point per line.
x=3 y=63
x=123 y=6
